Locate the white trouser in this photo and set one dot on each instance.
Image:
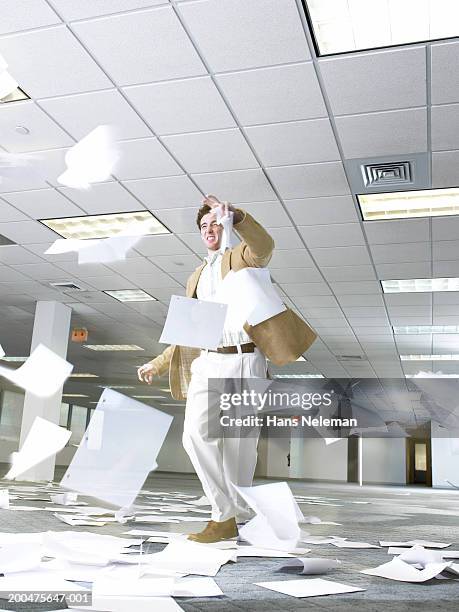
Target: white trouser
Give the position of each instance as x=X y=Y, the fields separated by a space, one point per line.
x=220 y=461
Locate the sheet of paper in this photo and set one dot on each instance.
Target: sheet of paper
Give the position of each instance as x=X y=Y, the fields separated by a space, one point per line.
x=422 y=556
x=196 y=587
x=141 y=587
x=4 y=499
x=19 y=557
x=91 y=471
x=128 y=604
x=424 y=543
x=185 y=556
x=65 y=499
x=256 y=551
x=311 y=565
x=155 y=519
x=311 y=587
x=91 y=160
x=43 y=374
x=404 y=572
x=44 y=440
x=446 y=554
x=276 y=522
x=37 y=581
x=315 y=520
x=226 y=221
x=250 y=296
x=348 y=544
x=316 y=539
x=194 y=323
x=2 y=352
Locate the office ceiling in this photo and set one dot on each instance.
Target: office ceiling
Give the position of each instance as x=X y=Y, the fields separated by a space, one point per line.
x=226 y=97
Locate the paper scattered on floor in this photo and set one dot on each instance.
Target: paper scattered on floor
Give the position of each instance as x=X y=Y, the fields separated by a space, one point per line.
x=420 y=555
x=4 y=499
x=315 y=520
x=44 y=440
x=404 y=572
x=128 y=604
x=446 y=554
x=256 y=551
x=424 y=543
x=311 y=565
x=311 y=587
x=348 y=544
x=124 y=419
x=194 y=323
x=65 y=499
x=43 y=374
x=91 y=160
x=19 y=557
x=275 y=525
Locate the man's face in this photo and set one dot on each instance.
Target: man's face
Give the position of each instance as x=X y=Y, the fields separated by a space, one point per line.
x=211 y=231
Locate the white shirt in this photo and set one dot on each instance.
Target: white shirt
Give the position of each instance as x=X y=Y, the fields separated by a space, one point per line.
x=209 y=281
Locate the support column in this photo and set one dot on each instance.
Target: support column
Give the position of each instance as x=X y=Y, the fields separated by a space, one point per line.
x=51 y=328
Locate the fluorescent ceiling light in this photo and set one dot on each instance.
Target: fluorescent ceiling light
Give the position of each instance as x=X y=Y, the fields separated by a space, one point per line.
x=113 y=347
x=426 y=329
x=419 y=285
x=343 y=26
x=4 y=358
x=131 y=295
x=74 y=395
x=429 y=357
x=409 y=204
x=83 y=375
x=298 y=376
x=433 y=375
x=105 y=226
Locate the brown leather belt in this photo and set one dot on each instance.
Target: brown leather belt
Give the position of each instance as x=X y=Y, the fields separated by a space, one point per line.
x=245 y=348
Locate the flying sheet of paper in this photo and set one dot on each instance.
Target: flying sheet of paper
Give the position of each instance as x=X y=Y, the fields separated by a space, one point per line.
x=91 y=160
x=277 y=513
x=2 y=352
x=404 y=572
x=250 y=296
x=43 y=374
x=424 y=543
x=92 y=470
x=44 y=440
x=311 y=565
x=103 y=250
x=308 y=588
x=194 y=323
x=226 y=221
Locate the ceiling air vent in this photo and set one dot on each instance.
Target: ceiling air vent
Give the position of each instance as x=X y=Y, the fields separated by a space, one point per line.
x=387 y=175
x=351 y=357
x=66 y=286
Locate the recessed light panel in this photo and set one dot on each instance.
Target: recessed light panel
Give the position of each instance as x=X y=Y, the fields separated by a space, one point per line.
x=298 y=376
x=425 y=329
x=131 y=295
x=106 y=226
x=409 y=204
x=83 y=375
x=113 y=347
x=343 y=26
x=420 y=285
x=429 y=357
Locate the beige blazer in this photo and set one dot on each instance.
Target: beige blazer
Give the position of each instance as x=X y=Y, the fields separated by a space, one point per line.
x=283 y=338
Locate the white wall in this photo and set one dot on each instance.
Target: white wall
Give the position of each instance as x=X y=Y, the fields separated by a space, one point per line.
x=445 y=458
x=276 y=460
x=313 y=459
x=172 y=456
x=384 y=460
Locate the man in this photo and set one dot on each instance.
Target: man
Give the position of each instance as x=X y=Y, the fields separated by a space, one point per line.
x=242 y=353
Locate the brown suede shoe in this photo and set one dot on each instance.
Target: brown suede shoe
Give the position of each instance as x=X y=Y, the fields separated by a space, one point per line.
x=215 y=532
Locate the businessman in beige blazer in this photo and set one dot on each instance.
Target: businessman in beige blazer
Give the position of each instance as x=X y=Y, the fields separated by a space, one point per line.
x=242 y=354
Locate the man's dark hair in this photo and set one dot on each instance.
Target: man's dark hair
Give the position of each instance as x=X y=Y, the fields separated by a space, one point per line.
x=205 y=208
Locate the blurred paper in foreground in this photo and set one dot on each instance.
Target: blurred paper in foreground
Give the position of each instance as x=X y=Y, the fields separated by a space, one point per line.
x=103 y=250
x=91 y=160
x=118 y=449
x=43 y=374
x=44 y=440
